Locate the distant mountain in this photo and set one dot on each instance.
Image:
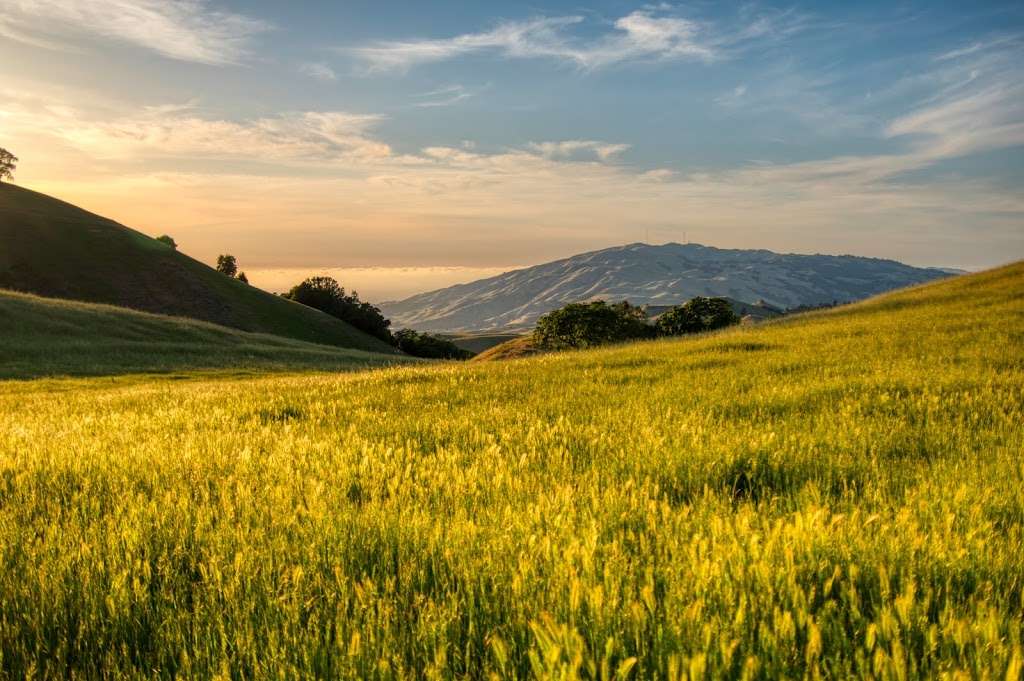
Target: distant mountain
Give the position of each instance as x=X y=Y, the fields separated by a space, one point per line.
x=51 y=248
x=653 y=275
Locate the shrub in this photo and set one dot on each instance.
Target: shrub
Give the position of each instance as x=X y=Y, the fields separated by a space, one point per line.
x=242 y=278
x=584 y=325
x=426 y=345
x=166 y=239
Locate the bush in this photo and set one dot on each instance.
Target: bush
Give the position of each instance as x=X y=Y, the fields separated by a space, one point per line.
x=324 y=294
x=242 y=278
x=697 y=315
x=585 y=325
x=425 y=345
x=166 y=239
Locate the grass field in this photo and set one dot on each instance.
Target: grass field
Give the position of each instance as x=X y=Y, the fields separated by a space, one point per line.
x=54 y=249
x=45 y=337
x=833 y=495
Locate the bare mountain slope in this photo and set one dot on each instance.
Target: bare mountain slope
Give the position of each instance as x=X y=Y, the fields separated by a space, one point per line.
x=653 y=275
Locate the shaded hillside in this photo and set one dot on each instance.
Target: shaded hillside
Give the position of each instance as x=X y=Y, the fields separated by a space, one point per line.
x=50 y=337
x=652 y=275
x=54 y=249
x=479 y=342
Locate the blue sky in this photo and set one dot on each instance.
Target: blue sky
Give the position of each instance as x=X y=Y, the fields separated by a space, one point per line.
x=465 y=137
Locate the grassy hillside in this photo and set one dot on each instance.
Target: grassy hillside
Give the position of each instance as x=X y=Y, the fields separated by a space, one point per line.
x=835 y=495
x=517 y=348
x=49 y=337
x=52 y=248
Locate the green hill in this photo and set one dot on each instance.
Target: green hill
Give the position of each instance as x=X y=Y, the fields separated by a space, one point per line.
x=54 y=249
x=50 y=337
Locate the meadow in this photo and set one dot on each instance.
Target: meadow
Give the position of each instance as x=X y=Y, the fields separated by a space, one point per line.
x=839 y=494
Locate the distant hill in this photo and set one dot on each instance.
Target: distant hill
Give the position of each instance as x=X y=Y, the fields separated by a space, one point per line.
x=54 y=249
x=652 y=275
x=49 y=337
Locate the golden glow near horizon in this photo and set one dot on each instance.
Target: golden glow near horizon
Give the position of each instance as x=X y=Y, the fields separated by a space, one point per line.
x=299 y=178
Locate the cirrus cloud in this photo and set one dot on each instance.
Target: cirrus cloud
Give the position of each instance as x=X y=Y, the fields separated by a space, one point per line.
x=186 y=30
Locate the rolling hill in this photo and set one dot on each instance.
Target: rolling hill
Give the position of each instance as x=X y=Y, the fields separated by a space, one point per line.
x=50 y=337
x=835 y=495
x=652 y=275
x=51 y=248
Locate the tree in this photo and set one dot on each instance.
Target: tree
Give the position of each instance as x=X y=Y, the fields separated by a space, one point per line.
x=697 y=315
x=584 y=325
x=8 y=162
x=165 y=239
x=242 y=278
x=226 y=264
x=326 y=295
x=425 y=345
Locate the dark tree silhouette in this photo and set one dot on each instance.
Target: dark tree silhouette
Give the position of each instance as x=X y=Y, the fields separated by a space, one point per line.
x=426 y=345
x=165 y=239
x=8 y=162
x=226 y=264
x=242 y=278
x=326 y=295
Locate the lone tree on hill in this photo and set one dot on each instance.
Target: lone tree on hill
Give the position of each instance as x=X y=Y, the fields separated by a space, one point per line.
x=8 y=162
x=166 y=239
x=226 y=264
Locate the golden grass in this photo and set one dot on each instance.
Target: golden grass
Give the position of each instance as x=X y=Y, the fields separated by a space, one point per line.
x=835 y=495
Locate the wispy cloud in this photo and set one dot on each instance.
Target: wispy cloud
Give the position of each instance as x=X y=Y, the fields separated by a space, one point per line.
x=180 y=131
x=318 y=71
x=187 y=30
x=980 y=46
x=570 y=149
x=644 y=34
x=445 y=96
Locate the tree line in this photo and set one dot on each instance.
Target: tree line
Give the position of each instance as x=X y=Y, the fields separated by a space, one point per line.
x=586 y=325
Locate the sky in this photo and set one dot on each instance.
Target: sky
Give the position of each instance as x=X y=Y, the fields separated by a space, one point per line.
x=404 y=146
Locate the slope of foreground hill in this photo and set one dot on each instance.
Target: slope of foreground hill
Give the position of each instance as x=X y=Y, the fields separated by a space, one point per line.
x=54 y=249
x=49 y=337
x=835 y=495
x=665 y=275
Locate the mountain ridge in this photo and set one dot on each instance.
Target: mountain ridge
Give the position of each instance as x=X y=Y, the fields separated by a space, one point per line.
x=645 y=274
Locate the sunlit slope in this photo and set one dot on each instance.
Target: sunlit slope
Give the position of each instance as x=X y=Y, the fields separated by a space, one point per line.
x=50 y=337
x=832 y=496
x=52 y=248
